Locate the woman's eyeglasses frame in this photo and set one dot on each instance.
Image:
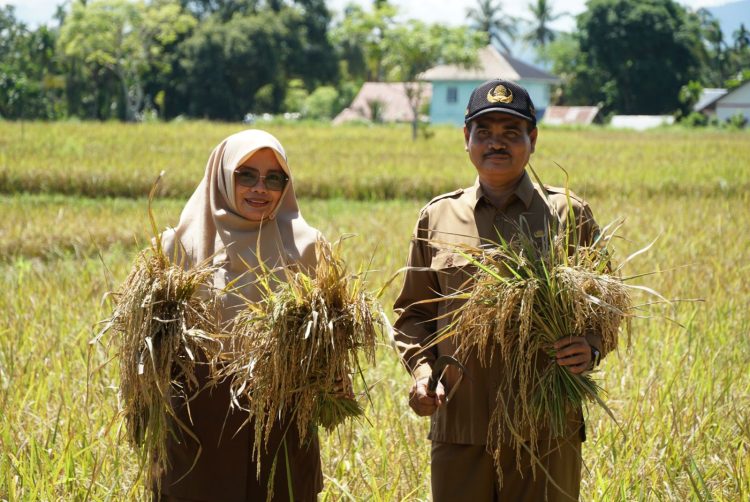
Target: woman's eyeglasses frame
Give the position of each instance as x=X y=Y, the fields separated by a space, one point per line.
x=274 y=181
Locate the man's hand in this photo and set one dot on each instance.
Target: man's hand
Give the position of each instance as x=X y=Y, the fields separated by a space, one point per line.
x=573 y=352
x=424 y=402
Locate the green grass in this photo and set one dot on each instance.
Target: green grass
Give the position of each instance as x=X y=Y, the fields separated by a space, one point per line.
x=681 y=395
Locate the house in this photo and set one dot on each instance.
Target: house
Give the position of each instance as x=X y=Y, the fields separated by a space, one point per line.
x=452 y=84
x=383 y=102
x=707 y=98
x=725 y=105
x=640 y=122
x=570 y=115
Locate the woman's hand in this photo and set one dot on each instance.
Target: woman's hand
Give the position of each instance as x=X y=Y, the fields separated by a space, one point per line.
x=343 y=388
x=573 y=352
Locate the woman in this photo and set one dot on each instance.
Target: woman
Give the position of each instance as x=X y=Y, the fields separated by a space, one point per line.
x=243 y=212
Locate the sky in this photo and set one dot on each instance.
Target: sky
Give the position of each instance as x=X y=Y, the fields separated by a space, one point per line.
x=453 y=12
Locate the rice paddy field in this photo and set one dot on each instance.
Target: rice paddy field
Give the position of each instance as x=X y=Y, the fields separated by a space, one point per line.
x=72 y=199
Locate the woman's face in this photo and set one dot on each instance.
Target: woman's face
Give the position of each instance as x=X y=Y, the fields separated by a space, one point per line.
x=258 y=201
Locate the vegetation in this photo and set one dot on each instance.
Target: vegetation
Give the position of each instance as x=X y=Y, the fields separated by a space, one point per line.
x=528 y=294
x=489 y=19
x=542 y=14
x=295 y=349
x=680 y=395
x=633 y=83
x=112 y=160
x=228 y=60
x=163 y=329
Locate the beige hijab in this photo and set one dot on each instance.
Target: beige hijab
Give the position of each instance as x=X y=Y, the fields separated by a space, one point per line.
x=210 y=226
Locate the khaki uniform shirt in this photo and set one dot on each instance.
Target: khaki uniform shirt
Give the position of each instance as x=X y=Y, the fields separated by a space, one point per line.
x=435 y=270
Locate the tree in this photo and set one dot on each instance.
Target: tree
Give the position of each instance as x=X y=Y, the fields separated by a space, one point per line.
x=739 y=58
x=716 y=54
x=540 y=33
x=226 y=64
x=229 y=68
x=359 y=39
x=414 y=47
x=122 y=40
x=225 y=9
x=312 y=58
x=31 y=86
x=487 y=17
x=633 y=56
x=741 y=38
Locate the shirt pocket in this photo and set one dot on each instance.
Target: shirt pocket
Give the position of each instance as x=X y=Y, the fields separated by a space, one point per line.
x=453 y=271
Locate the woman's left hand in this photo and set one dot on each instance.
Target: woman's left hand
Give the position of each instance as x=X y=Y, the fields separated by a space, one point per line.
x=573 y=352
x=343 y=388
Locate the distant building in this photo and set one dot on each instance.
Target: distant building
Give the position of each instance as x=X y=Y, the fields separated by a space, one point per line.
x=641 y=122
x=570 y=115
x=707 y=98
x=383 y=102
x=452 y=84
x=724 y=104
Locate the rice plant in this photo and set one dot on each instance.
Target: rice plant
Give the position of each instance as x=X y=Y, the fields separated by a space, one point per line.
x=294 y=351
x=163 y=324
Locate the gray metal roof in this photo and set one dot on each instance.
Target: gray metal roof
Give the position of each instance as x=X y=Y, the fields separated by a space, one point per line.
x=707 y=98
x=490 y=64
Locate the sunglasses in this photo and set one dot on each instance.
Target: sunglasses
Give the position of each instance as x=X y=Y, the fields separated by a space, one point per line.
x=249 y=177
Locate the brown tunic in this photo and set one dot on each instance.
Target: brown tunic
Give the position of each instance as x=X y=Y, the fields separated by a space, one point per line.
x=466 y=216
x=225 y=471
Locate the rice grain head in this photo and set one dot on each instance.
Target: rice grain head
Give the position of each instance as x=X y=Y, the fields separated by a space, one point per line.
x=164 y=326
x=302 y=340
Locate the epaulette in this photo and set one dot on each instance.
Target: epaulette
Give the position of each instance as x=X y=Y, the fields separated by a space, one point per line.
x=560 y=190
x=454 y=193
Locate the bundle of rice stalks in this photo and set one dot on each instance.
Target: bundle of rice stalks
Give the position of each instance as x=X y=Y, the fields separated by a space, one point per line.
x=163 y=323
x=524 y=297
x=295 y=349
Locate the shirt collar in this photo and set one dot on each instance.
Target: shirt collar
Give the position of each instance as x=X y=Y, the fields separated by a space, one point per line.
x=524 y=191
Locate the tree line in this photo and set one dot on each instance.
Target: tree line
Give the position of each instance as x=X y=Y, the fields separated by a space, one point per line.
x=222 y=59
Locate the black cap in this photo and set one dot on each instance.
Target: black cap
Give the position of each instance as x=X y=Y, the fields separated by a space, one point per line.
x=500 y=96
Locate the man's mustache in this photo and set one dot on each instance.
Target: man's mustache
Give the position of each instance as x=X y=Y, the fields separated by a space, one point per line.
x=497 y=152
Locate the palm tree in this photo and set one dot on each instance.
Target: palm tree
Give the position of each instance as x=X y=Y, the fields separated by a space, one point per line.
x=488 y=17
x=540 y=33
x=741 y=38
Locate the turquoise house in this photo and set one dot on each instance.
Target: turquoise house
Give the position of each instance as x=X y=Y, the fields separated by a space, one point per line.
x=452 y=84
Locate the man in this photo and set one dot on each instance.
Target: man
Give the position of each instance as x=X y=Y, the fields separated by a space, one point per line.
x=500 y=135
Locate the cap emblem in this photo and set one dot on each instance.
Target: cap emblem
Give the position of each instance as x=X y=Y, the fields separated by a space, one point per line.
x=500 y=94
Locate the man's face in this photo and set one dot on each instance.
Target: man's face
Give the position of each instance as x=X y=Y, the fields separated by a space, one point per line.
x=499 y=146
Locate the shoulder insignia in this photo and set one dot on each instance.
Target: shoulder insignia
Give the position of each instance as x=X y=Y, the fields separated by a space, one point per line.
x=449 y=195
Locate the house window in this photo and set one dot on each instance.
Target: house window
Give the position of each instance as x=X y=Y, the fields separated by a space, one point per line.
x=452 y=95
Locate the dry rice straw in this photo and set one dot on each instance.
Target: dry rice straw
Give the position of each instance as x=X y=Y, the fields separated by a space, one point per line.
x=163 y=322
x=522 y=298
x=292 y=349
